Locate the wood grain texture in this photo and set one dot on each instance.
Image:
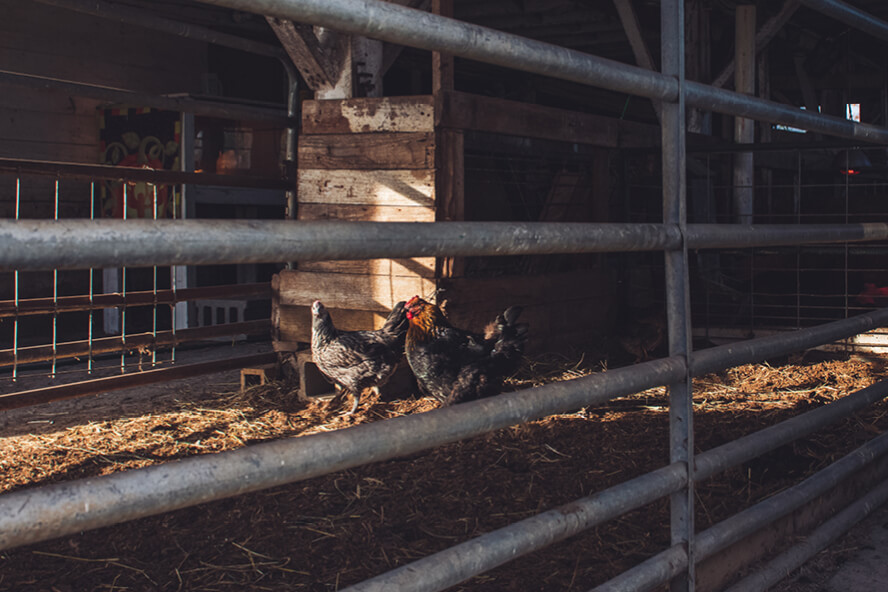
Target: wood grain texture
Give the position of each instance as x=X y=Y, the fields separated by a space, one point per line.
x=349 y=291
x=372 y=187
x=369 y=115
x=367 y=151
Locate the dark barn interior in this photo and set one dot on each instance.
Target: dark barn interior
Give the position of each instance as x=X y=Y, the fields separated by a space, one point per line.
x=179 y=109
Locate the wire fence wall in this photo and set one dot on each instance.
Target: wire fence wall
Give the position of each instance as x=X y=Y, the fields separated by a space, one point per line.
x=33 y=515
x=737 y=292
x=105 y=321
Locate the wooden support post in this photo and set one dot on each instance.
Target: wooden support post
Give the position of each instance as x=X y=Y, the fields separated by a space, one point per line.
x=449 y=160
x=442 y=63
x=744 y=129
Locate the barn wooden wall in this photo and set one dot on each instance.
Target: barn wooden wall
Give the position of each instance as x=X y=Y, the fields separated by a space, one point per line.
x=49 y=125
x=38 y=124
x=360 y=159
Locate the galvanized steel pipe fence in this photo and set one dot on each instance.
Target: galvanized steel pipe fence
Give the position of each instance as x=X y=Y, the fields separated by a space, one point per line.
x=37 y=514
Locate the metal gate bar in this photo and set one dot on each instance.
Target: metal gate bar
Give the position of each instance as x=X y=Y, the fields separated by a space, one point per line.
x=815 y=542
x=80 y=244
x=49 y=511
x=45 y=512
x=656 y=570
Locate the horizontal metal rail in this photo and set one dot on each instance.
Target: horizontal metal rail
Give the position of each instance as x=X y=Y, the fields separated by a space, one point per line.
x=734 y=529
x=733 y=453
x=118 y=95
x=132 y=342
x=414 y=28
x=81 y=244
x=460 y=562
x=729 y=236
x=851 y=16
x=111 y=383
x=815 y=542
x=37 y=514
x=650 y=573
x=754 y=350
x=38 y=306
x=660 y=568
x=92 y=172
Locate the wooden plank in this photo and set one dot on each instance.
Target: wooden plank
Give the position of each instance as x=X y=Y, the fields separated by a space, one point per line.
x=419 y=266
x=475 y=292
x=472 y=112
x=366 y=212
x=371 y=187
x=349 y=291
x=369 y=115
x=367 y=151
x=295 y=322
x=62 y=127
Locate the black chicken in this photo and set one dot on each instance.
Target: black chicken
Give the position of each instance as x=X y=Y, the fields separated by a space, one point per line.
x=355 y=360
x=453 y=365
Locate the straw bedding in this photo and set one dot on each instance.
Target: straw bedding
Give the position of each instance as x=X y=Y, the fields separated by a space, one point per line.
x=329 y=532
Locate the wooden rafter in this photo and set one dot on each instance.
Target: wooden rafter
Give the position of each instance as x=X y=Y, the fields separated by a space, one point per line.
x=320 y=61
x=764 y=36
x=632 y=28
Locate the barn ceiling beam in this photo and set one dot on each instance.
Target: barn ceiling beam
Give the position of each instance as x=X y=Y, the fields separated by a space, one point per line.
x=851 y=16
x=413 y=28
x=171 y=103
x=319 y=58
x=150 y=20
x=764 y=36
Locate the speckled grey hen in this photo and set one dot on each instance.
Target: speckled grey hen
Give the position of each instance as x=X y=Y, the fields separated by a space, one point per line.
x=357 y=360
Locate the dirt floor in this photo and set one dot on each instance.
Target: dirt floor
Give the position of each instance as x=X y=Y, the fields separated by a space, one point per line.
x=330 y=532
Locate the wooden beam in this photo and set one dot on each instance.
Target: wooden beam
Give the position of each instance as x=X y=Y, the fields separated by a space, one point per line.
x=369 y=115
x=367 y=151
x=450 y=190
x=632 y=28
x=319 y=62
x=442 y=63
x=768 y=31
x=465 y=111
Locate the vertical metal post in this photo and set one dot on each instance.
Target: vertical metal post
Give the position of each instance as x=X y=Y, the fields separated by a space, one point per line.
x=15 y=288
x=154 y=289
x=681 y=428
x=797 y=211
x=123 y=292
x=89 y=330
x=55 y=293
